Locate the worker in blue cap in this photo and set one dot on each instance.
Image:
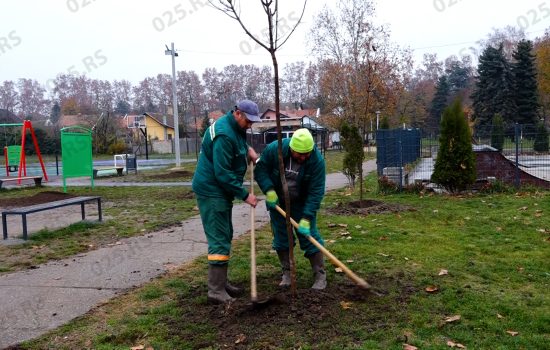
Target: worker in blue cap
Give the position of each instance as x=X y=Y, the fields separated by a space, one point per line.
x=305 y=176
x=218 y=180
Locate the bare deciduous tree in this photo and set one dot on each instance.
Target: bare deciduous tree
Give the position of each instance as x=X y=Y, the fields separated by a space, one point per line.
x=275 y=39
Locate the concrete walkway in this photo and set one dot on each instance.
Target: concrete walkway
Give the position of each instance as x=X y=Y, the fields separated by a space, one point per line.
x=35 y=301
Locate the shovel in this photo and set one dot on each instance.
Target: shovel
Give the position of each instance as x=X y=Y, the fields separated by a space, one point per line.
x=256 y=304
x=358 y=280
x=253 y=288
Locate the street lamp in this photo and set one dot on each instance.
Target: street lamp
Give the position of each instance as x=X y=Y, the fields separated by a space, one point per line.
x=173 y=53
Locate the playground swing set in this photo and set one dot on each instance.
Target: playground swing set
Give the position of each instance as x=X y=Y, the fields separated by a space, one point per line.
x=14 y=155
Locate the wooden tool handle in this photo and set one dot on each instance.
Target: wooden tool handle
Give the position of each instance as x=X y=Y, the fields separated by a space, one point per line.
x=358 y=280
x=253 y=288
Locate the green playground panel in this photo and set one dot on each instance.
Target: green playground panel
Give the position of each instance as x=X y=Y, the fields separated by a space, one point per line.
x=76 y=153
x=14 y=155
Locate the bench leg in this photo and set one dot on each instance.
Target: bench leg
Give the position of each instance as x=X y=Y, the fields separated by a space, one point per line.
x=4 y=226
x=99 y=209
x=38 y=182
x=119 y=171
x=95 y=174
x=24 y=218
x=83 y=211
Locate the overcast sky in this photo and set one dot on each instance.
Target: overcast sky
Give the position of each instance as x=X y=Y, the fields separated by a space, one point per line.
x=124 y=39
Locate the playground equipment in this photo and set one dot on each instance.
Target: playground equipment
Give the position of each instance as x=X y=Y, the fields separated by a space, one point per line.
x=76 y=153
x=11 y=153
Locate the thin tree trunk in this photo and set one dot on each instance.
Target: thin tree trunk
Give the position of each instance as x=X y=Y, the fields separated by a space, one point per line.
x=289 y=229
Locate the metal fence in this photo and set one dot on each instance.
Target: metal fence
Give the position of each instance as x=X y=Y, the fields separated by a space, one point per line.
x=516 y=156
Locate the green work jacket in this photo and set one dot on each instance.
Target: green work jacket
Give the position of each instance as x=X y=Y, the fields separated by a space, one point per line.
x=311 y=177
x=222 y=161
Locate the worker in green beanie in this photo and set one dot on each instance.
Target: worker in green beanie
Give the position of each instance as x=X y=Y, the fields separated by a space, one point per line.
x=305 y=176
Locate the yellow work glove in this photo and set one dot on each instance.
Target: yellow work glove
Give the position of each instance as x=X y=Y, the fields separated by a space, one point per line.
x=304 y=227
x=271 y=199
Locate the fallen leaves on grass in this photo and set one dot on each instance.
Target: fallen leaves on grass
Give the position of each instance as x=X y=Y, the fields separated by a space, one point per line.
x=338 y=270
x=383 y=238
x=512 y=333
x=443 y=272
x=452 y=344
x=500 y=316
x=137 y=347
x=451 y=319
x=431 y=289
x=346 y=304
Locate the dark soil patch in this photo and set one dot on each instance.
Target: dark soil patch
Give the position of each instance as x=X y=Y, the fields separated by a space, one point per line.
x=178 y=174
x=315 y=317
x=367 y=206
x=39 y=198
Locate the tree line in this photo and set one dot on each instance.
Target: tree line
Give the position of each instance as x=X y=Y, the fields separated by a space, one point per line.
x=356 y=74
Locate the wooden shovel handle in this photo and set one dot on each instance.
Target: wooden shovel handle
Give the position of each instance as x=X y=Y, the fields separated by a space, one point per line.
x=253 y=288
x=358 y=280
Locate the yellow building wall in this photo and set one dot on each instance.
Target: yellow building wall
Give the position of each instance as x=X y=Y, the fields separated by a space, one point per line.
x=158 y=131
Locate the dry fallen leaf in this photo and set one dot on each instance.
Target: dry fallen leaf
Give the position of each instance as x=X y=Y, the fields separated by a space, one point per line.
x=409 y=347
x=452 y=318
x=331 y=225
x=346 y=304
x=138 y=347
x=343 y=225
x=384 y=255
x=357 y=226
x=500 y=316
x=499 y=229
x=452 y=344
x=523 y=208
x=431 y=289
x=383 y=238
x=240 y=339
x=349 y=261
x=345 y=233
x=435 y=211
x=331 y=241
x=512 y=333
x=339 y=270
x=443 y=272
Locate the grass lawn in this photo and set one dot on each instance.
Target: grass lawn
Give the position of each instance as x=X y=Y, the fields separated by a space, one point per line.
x=137 y=210
x=469 y=270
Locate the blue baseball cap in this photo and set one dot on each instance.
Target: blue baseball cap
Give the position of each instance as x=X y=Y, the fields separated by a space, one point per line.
x=250 y=109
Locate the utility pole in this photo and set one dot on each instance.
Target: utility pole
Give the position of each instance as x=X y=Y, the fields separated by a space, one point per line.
x=173 y=53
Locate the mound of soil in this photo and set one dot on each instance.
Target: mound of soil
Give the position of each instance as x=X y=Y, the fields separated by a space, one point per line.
x=317 y=315
x=367 y=206
x=178 y=174
x=39 y=198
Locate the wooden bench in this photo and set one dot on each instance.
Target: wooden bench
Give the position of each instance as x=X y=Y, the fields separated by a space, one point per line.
x=118 y=169
x=37 y=179
x=23 y=211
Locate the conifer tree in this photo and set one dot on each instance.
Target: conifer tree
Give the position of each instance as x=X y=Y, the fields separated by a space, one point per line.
x=525 y=84
x=439 y=102
x=541 y=138
x=494 y=90
x=455 y=164
x=497 y=133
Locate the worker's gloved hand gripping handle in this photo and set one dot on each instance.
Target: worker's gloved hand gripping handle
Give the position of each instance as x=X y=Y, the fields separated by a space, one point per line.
x=271 y=199
x=304 y=227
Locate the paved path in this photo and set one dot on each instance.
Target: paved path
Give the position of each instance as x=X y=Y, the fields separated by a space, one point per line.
x=35 y=301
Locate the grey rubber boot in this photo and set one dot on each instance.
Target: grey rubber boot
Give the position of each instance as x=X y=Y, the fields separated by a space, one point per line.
x=284 y=258
x=217 y=279
x=318 y=267
x=233 y=290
